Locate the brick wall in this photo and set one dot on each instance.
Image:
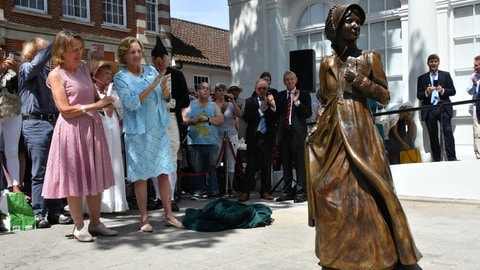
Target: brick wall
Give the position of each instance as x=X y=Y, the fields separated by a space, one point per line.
x=20 y=25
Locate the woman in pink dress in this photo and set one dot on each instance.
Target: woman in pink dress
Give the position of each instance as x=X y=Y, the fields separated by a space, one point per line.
x=79 y=161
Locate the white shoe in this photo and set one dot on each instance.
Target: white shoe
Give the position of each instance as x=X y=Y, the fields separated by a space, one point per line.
x=82 y=235
x=101 y=229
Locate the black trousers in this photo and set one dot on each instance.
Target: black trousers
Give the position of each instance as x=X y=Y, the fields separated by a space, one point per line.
x=259 y=157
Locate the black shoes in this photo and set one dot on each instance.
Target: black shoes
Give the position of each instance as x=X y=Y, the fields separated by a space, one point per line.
x=41 y=222
x=59 y=218
x=175 y=207
x=300 y=197
x=297 y=198
x=285 y=197
x=154 y=204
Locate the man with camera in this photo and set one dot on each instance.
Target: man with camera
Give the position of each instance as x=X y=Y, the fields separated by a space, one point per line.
x=436 y=87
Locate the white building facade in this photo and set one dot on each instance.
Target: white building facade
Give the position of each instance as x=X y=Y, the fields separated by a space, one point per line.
x=263 y=32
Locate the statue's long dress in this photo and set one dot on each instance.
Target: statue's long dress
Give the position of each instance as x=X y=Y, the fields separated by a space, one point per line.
x=360 y=223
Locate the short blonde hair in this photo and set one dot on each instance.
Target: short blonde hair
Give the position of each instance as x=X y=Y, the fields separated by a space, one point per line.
x=124 y=46
x=60 y=44
x=31 y=47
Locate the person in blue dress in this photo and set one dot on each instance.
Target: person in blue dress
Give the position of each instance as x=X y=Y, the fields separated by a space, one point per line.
x=144 y=95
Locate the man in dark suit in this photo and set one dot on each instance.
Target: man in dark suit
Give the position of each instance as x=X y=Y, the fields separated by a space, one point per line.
x=260 y=115
x=294 y=107
x=436 y=87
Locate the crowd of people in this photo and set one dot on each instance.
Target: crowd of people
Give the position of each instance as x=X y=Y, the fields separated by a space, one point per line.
x=86 y=126
x=91 y=127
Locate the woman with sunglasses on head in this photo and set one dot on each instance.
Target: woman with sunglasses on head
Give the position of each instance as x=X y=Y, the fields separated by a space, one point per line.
x=10 y=119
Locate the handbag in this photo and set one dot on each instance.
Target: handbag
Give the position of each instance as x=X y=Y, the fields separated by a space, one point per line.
x=410 y=156
x=9 y=102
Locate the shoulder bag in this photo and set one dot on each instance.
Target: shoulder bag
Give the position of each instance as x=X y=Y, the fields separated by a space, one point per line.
x=9 y=102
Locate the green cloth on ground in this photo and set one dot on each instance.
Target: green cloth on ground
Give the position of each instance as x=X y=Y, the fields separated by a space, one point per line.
x=223 y=214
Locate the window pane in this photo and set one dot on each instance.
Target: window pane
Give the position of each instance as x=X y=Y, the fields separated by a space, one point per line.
x=302 y=42
x=362 y=41
x=75 y=8
x=392 y=4
x=462 y=50
x=113 y=12
x=32 y=4
x=377 y=38
x=364 y=5
x=303 y=21
x=393 y=62
x=395 y=86
x=376 y=6
x=318 y=13
x=317 y=44
x=476 y=24
x=463 y=21
x=151 y=7
x=394 y=33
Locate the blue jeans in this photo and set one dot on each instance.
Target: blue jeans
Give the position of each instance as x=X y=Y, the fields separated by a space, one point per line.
x=38 y=135
x=203 y=158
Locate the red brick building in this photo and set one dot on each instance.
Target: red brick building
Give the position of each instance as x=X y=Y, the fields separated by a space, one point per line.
x=104 y=22
x=203 y=50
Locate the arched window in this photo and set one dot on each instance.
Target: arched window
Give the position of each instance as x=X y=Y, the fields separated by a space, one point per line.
x=315 y=13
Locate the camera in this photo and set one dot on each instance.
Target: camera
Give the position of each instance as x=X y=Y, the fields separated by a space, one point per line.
x=227 y=99
x=11 y=55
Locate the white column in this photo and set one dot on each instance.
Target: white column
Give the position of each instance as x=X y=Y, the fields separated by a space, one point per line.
x=423 y=41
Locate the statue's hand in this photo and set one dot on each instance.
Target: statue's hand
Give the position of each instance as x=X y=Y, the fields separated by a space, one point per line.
x=350 y=74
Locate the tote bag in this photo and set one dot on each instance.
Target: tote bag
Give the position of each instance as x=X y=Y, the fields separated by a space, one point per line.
x=20 y=216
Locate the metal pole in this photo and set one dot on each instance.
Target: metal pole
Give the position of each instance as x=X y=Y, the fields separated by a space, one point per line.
x=442 y=137
x=226 y=142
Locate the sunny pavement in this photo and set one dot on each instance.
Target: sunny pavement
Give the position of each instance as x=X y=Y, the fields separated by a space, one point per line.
x=446 y=232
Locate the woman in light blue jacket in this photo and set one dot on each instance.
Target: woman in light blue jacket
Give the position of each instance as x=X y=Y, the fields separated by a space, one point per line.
x=144 y=94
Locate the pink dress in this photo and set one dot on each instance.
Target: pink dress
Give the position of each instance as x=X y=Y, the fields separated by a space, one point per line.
x=79 y=161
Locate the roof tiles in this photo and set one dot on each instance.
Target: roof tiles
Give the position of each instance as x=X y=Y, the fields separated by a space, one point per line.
x=200 y=44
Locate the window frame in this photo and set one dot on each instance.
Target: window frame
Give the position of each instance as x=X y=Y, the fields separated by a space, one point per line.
x=26 y=5
x=151 y=21
x=198 y=79
x=109 y=12
x=72 y=5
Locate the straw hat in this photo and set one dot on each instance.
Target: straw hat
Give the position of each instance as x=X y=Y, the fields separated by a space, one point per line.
x=96 y=65
x=233 y=86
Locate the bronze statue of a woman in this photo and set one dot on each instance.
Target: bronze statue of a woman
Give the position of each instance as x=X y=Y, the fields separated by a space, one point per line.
x=360 y=223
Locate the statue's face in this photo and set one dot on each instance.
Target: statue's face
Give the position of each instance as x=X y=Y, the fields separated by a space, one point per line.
x=350 y=29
